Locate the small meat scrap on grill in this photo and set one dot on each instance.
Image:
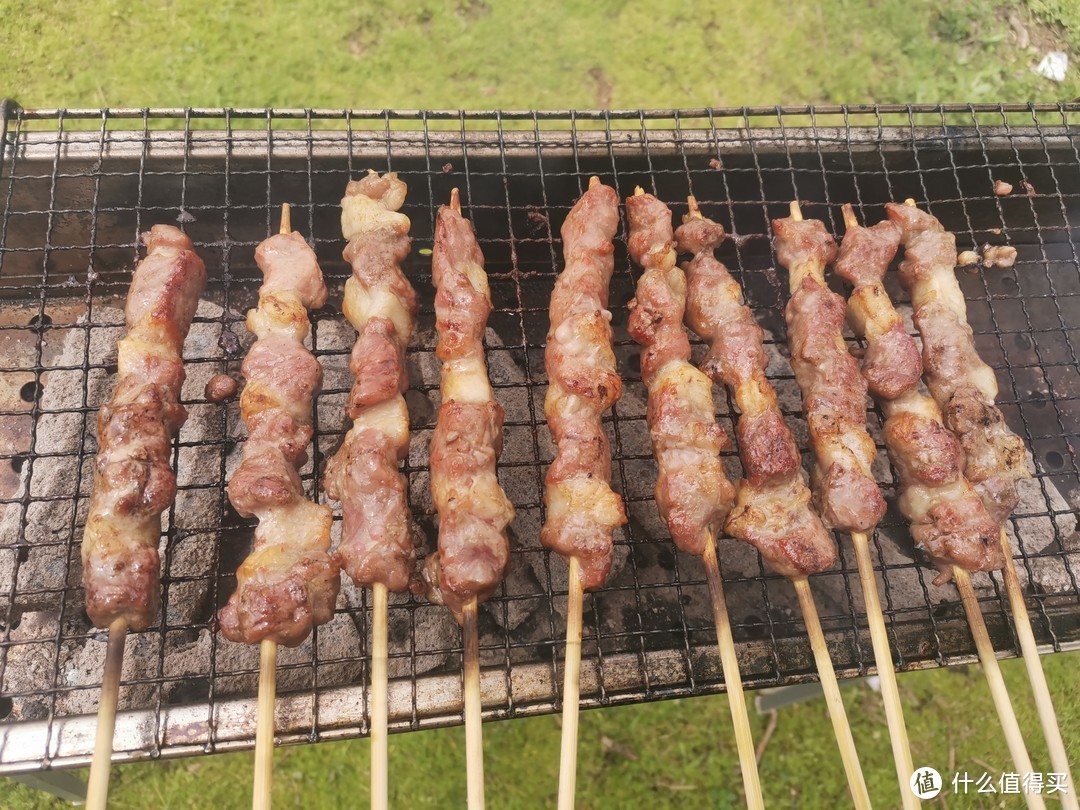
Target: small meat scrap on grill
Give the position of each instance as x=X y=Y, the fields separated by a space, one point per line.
x=582 y=509
x=834 y=393
x=693 y=493
x=948 y=519
x=289 y=583
x=133 y=477
x=377 y=537
x=772 y=507
x=963 y=385
x=473 y=509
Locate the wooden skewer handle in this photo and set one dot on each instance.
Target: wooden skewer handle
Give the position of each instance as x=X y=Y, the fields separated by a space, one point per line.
x=97 y=791
x=474 y=740
x=571 y=689
x=380 y=758
x=264 y=726
x=744 y=740
x=890 y=692
x=841 y=728
x=1013 y=738
x=1036 y=677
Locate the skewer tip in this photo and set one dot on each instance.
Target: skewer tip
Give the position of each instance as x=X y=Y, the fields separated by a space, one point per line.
x=796 y=211
x=850 y=220
x=695 y=211
x=455 y=201
x=638 y=191
x=594 y=181
x=909 y=202
x=286 y=218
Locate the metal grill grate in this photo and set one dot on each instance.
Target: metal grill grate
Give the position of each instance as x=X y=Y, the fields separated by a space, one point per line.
x=77 y=187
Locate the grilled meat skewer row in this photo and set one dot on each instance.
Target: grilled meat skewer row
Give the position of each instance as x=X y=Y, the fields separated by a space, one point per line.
x=473 y=509
x=963 y=385
x=289 y=583
x=834 y=392
x=377 y=538
x=772 y=507
x=582 y=509
x=133 y=477
x=693 y=494
x=948 y=519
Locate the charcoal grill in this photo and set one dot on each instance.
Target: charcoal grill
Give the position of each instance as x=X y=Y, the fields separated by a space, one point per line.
x=77 y=187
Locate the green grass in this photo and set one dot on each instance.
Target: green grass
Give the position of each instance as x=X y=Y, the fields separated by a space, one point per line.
x=474 y=54
x=676 y=754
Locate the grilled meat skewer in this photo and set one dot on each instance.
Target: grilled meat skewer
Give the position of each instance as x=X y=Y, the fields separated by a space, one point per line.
x=834 y=393
x=473 y=509
x=693 y=494
x=133 y=477
x=948 y=519
x=289 y=583
x=772 y=506
x=963 y=386
x=376 y=535
x=582 y=509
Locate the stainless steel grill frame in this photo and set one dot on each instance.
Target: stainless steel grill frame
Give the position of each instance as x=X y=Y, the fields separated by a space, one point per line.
x=77 y=186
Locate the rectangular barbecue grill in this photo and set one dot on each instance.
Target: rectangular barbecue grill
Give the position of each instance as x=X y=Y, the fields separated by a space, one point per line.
x=78 y=186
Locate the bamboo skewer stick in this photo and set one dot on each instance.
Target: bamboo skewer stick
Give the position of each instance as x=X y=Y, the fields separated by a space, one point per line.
x=744 y=739
x=729 y=661
x=856 y=784
x=837 y=714
x=474 y=741
x=97 y=791
x=380 y=758
x=575 y=596
x=571 y=689
x=1013 y=738
x=890 y=694
x=1045 y=705
x=264 y=725
x=827 y=675
x=1006 y=714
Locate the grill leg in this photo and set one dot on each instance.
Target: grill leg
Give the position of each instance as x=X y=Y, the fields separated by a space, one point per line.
x=62 y=784
x=769 y=700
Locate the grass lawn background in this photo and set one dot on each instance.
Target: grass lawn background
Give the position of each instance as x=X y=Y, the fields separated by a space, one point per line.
x=473 y=54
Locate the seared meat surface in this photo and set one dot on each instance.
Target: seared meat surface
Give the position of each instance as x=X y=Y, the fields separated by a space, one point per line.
x=377 y=537
x=834 y=393
x=693 y=494
x=289 y=583
x=133 y=477
x=473 y=509
x=582 y=509
x=772 y=508
x=948 y=519
x=963 y=386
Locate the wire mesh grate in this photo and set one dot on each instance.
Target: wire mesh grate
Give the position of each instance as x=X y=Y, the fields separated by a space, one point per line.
x=77 y=188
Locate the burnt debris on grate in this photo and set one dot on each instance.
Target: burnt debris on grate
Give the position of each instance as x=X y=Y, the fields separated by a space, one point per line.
x=77 y=187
